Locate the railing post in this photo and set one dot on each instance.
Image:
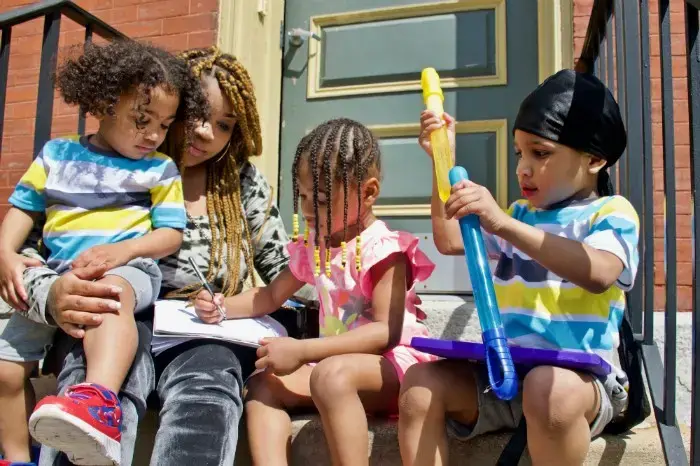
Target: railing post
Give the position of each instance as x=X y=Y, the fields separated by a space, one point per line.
x=620 y=39
x=669 y=411
x=692 y=38
x=610 y=55
x=44 y=100
x=647 y=258
x=4 y=67
x=634 y=155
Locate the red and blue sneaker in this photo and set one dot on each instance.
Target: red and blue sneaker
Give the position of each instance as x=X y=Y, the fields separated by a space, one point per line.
x=85 y=424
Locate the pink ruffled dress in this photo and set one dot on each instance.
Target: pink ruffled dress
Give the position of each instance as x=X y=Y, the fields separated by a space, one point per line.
x=346 y=297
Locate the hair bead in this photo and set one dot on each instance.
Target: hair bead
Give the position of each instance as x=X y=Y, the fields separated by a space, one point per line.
x=295 y=227
x=343 y=254
x=317 y=262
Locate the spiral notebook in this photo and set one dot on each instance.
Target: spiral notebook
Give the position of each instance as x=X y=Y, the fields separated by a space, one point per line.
x=176 y=322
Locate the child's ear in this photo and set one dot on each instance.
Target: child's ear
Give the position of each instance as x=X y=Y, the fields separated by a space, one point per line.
x=370 y=191
x=595 y=164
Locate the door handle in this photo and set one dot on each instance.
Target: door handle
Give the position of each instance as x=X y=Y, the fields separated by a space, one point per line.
x=298 y=36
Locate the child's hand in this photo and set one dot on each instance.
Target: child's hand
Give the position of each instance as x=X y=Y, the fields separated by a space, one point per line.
x=12 y=267
x=205 y=307
x=430 y=122
x=470 y=198
x=109 y=255
x=281 y=356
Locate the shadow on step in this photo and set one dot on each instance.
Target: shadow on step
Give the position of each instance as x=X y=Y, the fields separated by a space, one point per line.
x=458 y=321
x=637 y=448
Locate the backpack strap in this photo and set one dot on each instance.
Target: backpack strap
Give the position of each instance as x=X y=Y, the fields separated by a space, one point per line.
x=510 y=456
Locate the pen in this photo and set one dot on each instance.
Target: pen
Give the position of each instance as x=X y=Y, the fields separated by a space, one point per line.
x=206 y=286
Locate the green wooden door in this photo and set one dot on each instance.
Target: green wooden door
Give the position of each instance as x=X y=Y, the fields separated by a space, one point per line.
x=366 y=65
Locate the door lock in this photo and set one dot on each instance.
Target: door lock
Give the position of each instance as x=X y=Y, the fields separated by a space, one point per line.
x=298 y=36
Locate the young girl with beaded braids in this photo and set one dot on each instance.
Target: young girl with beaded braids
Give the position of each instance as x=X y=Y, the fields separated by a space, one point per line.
x=365 y=275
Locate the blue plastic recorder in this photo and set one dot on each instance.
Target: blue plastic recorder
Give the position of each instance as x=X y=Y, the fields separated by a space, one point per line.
x=501 y=370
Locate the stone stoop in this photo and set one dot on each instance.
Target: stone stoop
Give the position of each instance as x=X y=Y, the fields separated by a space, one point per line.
x=448 y=318
x=640 y=447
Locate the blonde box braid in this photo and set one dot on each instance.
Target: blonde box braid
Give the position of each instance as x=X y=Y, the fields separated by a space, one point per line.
x=230 y=232
x=330 y=142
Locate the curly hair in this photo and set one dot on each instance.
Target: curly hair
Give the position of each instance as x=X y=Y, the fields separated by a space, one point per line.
x=95 y=78
x=230 y=232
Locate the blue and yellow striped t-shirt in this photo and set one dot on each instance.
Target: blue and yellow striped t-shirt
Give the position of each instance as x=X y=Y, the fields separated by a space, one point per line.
x=93 y=197
x=540 y=309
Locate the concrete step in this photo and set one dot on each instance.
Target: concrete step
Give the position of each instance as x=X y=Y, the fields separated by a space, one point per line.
x=455 y=318
x=451 y=317
x=639 y=447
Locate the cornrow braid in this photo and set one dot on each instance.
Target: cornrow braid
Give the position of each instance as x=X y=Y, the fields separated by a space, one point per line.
x=231 y=238
x=359 y=174
x=346 y=149
x=329 y=150
x=344 y=167
x=313 y=151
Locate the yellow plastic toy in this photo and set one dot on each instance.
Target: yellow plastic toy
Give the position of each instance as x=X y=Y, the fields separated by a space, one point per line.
x=442 y=156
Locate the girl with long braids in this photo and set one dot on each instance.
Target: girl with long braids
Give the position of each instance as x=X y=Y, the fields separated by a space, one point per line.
x=232 y=227
x=365 y=275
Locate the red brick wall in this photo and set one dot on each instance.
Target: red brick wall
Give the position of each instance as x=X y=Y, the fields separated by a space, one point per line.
x=582 y=9
x=174 y=24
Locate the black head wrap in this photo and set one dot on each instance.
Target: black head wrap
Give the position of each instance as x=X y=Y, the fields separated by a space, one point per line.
x=578 y=111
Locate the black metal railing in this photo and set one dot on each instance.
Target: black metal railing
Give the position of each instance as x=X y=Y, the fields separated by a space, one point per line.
x=626 y=68
x=52 y=11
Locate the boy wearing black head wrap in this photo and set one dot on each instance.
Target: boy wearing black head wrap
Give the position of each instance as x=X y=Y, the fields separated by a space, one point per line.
x=566 y=254
x=578 y=111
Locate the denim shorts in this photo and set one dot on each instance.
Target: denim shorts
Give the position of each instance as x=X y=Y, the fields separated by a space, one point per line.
x=24 y=340
x=496 y=414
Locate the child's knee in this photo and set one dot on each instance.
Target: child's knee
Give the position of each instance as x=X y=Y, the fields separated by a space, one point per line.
x=126 y=297
x=121 y=282
x=262 y=387
x=553 y=398
x=421 y=389
x=331 y=379
x=14 y=376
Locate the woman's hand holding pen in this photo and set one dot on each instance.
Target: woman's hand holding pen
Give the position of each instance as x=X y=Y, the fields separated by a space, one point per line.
x=206 y=307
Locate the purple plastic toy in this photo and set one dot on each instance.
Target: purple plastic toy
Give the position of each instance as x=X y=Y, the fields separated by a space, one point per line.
x=527 y=357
